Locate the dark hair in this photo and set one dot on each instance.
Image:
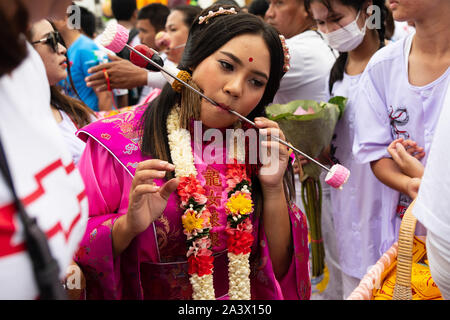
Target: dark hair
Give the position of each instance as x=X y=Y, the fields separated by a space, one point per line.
x=390 y=25
x=190 y=13
x=203 y=41
x=13 y=49
x=258 y=7
x=123 y=9
x=79 y=112
x=156 y=14
x=226 y=3
x=87 y=22
x=338 y=69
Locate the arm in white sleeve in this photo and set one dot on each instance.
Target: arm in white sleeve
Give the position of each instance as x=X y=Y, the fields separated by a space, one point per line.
x=157 y=79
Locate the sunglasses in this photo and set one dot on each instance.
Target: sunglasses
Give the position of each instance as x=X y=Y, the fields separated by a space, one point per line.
x=53 y=39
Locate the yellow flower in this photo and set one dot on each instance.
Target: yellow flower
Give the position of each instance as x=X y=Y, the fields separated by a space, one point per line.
x=191 y=222
x=240 y=204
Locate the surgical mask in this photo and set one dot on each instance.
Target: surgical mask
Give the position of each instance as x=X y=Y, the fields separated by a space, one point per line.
x=346 y=38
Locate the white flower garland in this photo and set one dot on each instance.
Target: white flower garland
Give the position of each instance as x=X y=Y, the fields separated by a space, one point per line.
x=180 y=146
x=183 y=160
x=238 y=273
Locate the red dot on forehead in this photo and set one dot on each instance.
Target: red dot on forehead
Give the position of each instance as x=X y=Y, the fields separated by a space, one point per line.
x=250 y=59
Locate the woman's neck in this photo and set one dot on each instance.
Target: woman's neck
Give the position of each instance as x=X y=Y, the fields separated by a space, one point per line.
x=359 y=57
x=70 y=36
x=432 y=36
x=429 y=57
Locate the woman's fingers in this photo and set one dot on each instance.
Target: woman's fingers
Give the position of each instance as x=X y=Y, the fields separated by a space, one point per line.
x=262 y=123
x=168 y=188
x=147 y=176
x=419 y=155
x=149 y=170
x=144 y=189
x=155 y=164
x=409 y=143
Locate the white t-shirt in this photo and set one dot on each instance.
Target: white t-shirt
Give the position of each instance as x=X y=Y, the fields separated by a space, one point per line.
x=155 y=80
x=356 y=208
x=402 y=30
x=74 y=144
x=44 y=175
x=432 y=206
x=389 y=107
x=310 y=65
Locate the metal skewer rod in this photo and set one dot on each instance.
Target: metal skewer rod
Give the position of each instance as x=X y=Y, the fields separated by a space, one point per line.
x=171 y=75
x=217 y=105
x=280 y=140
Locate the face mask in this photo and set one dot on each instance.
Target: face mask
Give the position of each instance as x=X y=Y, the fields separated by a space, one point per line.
x=346 y=38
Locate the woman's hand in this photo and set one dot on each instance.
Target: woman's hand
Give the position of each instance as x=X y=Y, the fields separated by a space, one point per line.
x=276 y=159
x=147 y=201
x=406 y=155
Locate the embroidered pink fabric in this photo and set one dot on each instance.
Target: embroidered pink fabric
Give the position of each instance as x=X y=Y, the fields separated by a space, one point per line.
x=154 y=265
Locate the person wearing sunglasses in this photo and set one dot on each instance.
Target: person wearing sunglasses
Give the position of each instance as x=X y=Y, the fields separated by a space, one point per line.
x=83 y=53
x=71 y=114
x=53 y=39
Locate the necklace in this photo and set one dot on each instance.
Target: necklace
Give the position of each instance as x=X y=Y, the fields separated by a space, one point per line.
x=196 y=217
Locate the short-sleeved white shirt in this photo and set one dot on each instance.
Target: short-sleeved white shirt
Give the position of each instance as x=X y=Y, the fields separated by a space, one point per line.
x=310 y=65
x=68 y=129
x=389 y=107
x=356 y=208
x=432 y=206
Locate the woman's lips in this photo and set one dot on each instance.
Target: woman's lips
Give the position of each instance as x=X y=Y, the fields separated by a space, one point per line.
x=393 y=4
x=223 y=106
x=64 y=63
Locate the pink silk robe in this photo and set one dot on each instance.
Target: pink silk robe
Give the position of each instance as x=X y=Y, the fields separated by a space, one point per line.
x=154 y=266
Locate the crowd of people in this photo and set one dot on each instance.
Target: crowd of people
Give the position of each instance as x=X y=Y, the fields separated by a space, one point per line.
x=104 y=188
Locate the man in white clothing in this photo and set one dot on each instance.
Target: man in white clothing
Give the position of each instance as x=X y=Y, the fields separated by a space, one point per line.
x=311 y=58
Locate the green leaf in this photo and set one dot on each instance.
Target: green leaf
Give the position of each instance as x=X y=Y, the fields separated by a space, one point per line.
x=341 y=102
x=310 y=133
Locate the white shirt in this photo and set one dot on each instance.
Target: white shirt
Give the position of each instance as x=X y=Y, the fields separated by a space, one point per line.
x=45 y=178
x=402 y=30
x=155 y=79
x=310 y=65
x=432 y=206
x=355 y=208
x=74 y=144
x=390 y=107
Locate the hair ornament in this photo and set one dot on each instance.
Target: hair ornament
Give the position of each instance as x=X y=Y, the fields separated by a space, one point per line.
x=183 y=75
x=287 y=56
x=212 y=14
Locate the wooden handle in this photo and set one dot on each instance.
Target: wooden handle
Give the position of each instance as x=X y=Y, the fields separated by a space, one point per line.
x=402 y=289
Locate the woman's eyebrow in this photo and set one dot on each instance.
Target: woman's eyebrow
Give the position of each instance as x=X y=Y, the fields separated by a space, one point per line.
x=334 y=15
x=239 y=62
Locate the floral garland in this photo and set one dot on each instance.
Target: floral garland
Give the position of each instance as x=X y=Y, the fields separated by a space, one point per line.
x=196 y=218
x=239 y=228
